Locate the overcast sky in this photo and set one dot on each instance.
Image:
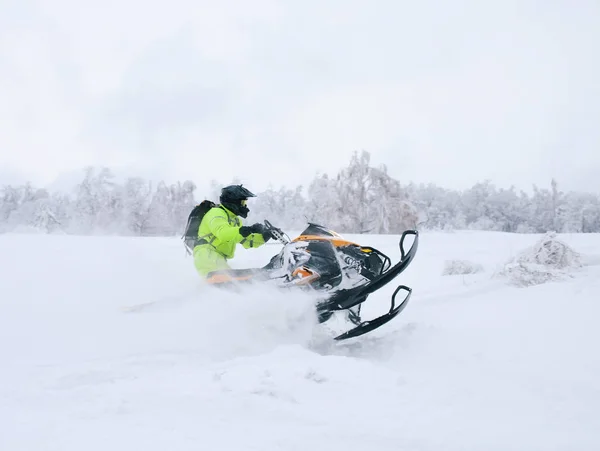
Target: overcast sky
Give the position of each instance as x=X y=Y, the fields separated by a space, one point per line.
x=273 y=91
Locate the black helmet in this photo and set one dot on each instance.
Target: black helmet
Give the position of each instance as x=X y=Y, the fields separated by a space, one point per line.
x=234 y=197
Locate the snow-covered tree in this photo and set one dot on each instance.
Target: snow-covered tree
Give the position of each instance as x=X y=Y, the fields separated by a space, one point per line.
x=182 y=195
x=438 y=208
x=10 y=202
x=392 y=210
x=360 y=198
x=34 y=212
x=356 y=192
x=476 y=205
x=549 y=209
x=323 y=204
x=136 y=197
x=370 y=201
x=284 y=208
x=160 y=212
x=97 y=203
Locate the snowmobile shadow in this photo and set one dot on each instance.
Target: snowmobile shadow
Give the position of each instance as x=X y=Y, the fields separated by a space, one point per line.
x=366 y=347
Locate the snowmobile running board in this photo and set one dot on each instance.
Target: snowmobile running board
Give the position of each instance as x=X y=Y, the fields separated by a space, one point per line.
x=345 y=299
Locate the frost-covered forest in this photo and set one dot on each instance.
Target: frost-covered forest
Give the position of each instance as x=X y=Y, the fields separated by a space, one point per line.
x=361 y=198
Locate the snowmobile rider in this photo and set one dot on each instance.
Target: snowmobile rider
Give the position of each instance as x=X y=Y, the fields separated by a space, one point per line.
x=221 y=230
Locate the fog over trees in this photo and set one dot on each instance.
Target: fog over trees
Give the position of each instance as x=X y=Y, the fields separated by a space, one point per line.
x=360 y=198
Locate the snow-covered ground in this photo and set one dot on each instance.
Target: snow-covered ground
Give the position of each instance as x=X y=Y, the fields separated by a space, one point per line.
x=471 y=364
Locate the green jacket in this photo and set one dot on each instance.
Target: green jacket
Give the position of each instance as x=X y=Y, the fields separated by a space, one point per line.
x=221 y=229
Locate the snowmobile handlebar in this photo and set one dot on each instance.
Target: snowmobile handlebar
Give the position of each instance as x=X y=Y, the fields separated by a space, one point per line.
x=277 y=234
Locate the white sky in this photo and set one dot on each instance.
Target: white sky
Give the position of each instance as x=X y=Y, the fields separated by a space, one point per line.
x=273 y=91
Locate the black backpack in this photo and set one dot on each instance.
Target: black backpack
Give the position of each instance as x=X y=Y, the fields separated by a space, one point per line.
x=190 y=235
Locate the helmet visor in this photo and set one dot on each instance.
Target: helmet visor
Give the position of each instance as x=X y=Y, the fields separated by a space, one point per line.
x=244 y=202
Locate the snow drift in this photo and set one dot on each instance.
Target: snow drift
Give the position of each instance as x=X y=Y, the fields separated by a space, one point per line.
x=550 y=259
x=461 y=267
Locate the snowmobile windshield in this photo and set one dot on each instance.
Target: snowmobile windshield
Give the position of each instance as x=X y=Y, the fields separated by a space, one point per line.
x=318 y=230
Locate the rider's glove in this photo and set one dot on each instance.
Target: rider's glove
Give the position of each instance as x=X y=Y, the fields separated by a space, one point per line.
x=254 y=228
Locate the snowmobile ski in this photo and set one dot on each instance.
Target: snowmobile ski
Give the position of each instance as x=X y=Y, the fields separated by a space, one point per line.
x=364 y=327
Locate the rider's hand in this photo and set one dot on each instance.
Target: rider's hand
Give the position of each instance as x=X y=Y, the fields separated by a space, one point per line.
x=254 y=228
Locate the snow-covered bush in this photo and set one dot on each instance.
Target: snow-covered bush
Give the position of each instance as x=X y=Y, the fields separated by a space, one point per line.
x=455 y=267
x=548 y=260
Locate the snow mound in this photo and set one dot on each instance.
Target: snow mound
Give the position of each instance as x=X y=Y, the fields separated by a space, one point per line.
x=550 y=259
x=456 y=267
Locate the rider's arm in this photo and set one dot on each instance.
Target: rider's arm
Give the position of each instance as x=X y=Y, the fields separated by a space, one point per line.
x=223 y=230
x=253 y=240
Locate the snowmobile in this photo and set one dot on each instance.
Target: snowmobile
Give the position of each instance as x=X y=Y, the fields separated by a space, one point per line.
x=342 y=273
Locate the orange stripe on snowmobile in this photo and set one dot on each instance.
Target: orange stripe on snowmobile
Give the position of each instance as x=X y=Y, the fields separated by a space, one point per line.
x=224 y=278
x=337 y=242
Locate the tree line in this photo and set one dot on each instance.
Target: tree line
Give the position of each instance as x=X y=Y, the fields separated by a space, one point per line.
x=360 y=198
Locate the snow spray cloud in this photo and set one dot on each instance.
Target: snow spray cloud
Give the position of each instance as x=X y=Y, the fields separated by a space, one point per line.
x=220 y=323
